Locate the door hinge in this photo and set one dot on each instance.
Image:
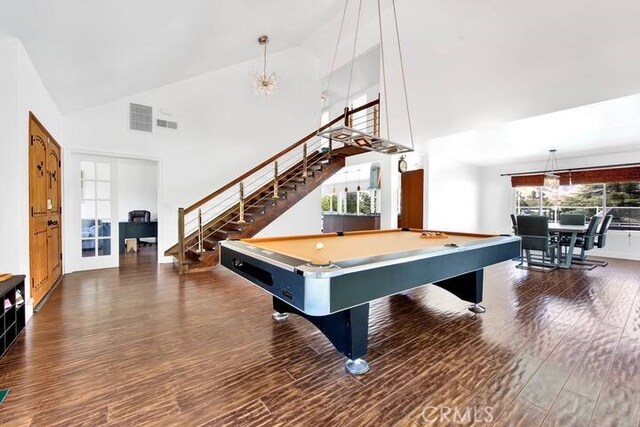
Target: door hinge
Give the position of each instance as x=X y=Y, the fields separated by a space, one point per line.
x=59 y=163
x=31 y=210
x=60 y=256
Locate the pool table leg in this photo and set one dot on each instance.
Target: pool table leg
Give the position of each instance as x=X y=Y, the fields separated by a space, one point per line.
x=280 y=317
x=467 y=287
x=347 y=330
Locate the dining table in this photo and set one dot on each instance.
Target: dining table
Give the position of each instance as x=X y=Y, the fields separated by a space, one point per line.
x=572 y=231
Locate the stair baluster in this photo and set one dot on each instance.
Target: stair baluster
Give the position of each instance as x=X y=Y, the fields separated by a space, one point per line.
x=241 y=203
x=376 y=125
x=181 y=248
x=275 y=180
x=200 y=236
x=304 y=160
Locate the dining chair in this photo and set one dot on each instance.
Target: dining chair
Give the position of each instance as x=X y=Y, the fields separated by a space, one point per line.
x=534 y=233
x=572 y=219
x=601 y=240
x=585 y=242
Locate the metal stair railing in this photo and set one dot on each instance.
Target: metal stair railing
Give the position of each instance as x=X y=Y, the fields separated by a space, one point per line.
x=261 y=185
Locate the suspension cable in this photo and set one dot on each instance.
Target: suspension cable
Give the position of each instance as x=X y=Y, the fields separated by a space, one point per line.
x=404 y=81
x=384 y=74
x=333 y=62
x=353 y=54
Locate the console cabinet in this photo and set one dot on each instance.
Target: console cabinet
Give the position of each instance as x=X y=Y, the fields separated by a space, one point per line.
x=12 y=319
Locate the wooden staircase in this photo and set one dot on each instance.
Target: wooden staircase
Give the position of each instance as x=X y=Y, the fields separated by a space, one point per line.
x=246 y=205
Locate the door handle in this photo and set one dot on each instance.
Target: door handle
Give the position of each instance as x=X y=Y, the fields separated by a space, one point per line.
x=52 y=222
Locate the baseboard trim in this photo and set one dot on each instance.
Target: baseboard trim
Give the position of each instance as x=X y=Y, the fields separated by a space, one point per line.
x=44 y=300
x=616 y=255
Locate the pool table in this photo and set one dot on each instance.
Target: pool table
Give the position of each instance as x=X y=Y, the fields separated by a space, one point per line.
x=330 y=279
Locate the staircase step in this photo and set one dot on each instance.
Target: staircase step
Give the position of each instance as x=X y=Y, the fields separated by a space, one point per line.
x=252 y=216
x=192 y=255
x=233 y=226
x=210 y=244
x=255 y=210
x=315 y=167
x=225 y=234
x=288 y=187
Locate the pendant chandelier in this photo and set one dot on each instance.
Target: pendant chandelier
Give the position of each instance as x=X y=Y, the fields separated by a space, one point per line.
x=551 y=179
x=357 y=137
x=263 y=83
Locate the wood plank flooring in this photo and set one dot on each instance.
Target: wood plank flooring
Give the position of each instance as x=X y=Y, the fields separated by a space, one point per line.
x=141 y=345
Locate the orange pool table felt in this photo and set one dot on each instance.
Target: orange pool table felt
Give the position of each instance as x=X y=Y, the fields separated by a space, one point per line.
x=356 y=244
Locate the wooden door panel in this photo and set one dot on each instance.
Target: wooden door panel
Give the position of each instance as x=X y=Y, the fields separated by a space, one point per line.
x=412 y=198
x=54 y=264
x=45 y=244
x=37 y=175
x=53 y=178
x=39 y=267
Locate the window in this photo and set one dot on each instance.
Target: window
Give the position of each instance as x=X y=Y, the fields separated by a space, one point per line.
x=352 y=202
x=329 y=203
x=583 y=198
x=527 y=200
x=622 y=200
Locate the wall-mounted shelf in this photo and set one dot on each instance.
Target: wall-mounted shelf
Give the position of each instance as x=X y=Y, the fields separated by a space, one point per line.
x=12 y=317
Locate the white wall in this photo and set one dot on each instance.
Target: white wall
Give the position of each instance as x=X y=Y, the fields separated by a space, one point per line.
x=224 y=129
x=453 y=199
x=22 y=91
x=305 y=217
x=9 y=146
x=497 y=200
x=137 y=187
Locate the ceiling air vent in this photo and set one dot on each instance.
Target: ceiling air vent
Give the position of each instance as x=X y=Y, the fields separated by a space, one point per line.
x=140 y=117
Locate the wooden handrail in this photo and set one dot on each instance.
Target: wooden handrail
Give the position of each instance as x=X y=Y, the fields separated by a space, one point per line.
x=275 y=157
x=365 y=106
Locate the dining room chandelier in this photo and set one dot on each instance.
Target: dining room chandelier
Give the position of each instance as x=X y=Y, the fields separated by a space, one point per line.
x=348 y=135
x=263 y=83
x=551 y=179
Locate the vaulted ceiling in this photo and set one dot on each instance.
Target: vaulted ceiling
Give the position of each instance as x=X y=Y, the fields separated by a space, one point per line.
x=90 y=52
x=470 y=64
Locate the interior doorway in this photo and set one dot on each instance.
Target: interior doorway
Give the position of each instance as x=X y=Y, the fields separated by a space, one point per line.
x=111 y=201
x=137 y=209
x=45 y=210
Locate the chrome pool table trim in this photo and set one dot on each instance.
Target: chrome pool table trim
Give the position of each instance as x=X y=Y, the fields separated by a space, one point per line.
x=359 y=264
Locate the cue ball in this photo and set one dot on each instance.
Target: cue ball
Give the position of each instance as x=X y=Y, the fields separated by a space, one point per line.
x=320 y=246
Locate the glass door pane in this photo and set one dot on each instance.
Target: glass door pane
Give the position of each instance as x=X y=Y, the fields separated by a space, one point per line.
x=95 y=208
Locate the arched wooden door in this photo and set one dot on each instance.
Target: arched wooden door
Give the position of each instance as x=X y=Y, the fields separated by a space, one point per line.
x=45 y=211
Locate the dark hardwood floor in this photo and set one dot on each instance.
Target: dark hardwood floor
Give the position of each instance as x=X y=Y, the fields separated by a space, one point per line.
x=140 y=345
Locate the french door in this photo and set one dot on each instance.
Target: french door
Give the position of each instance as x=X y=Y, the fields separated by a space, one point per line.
x=94 y=239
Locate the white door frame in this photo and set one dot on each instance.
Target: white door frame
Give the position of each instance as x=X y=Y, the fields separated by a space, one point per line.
x=71 y=206
x=73 y=198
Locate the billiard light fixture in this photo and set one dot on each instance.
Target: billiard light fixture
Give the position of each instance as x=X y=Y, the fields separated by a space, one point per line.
x=349 y=135
x=551 y=180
